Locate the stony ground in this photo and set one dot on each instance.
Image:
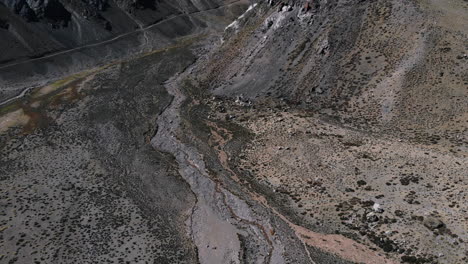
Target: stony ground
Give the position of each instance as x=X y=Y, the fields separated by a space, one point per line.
x=356 y=121
x=388 y=193
x=80 y=183
x=325 y=133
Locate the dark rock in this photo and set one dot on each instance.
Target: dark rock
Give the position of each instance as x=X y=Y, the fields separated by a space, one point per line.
x=413 y=259
x=67 y=186
x=432 y=223
x=361 y=183
x=371 y=217
x=52 y=11
x=384 y=243
x=407 y=179
x=4 y=24
x=100 y=5
x=399 y=213
x=368 y=203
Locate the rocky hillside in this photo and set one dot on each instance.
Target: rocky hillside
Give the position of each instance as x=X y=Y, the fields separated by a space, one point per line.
x=33 y=28
x=358 y=112
x=44 y=40
x=298 y=131
x=382 y=63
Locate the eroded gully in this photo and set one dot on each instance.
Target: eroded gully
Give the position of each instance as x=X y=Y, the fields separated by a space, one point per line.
x=218 y=215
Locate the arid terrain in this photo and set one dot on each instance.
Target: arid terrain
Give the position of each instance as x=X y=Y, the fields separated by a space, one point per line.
x=324 y=131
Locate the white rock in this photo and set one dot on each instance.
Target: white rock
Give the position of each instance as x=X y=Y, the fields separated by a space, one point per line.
x=377 y=208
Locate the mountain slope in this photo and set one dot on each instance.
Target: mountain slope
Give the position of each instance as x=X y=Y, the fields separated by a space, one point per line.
x=324 y=131
x=358 y=115
x=65 y=24
x=40 y=50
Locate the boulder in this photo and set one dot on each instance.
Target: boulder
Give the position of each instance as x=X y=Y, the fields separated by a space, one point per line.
x=432 y=223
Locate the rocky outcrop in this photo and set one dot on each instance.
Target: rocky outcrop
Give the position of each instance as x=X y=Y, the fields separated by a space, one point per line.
x=51 y=11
